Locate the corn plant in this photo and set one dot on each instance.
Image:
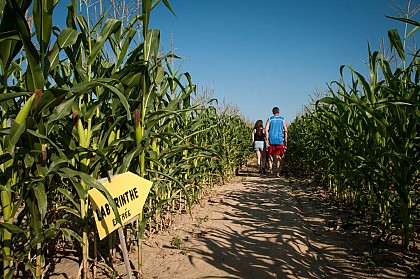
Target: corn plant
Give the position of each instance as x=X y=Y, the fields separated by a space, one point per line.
x=362 y=140
x=84 y=100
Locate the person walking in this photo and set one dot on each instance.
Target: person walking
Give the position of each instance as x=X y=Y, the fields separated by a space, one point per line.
x=259 y=144
x=276 y=130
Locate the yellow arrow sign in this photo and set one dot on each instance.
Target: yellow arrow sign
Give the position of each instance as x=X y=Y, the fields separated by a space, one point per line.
x=129 y=192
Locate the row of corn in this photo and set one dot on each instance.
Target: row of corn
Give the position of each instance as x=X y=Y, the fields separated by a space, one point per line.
x=92 y=97
x=362 y=140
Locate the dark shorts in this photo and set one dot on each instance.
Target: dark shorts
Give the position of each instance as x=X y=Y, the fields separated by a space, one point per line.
x=276 y=150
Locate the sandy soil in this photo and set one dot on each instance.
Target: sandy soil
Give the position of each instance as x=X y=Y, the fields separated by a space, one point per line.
x=264 y=227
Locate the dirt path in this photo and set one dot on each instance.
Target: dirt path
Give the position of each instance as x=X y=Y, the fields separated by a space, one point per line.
x=261 y=227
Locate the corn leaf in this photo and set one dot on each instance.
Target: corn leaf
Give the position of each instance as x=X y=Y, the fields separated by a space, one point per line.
x=41 y=198
x=395 y=41
x=11 y=228
x=111 y=26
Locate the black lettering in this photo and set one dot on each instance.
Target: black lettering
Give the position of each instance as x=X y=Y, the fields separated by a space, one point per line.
x=116 y=202
x=108 y=210
x=103 y=214
x=132 y=196
x=135 y=193
x=126 y=196
x=123 y=201
x=114 y=222
x=98 y=214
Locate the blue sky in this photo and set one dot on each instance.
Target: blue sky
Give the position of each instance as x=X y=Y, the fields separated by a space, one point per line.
x=260 y=54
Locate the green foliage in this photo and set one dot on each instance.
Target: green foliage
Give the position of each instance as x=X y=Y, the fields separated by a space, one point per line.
x=362 y=141
x=176 y=242
x=86 y=100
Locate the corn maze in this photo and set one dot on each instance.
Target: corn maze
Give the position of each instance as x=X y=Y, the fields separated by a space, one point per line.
x=90 y=98
x=97 y=96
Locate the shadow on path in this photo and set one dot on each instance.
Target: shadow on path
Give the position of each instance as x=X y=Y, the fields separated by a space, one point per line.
x=261 y=232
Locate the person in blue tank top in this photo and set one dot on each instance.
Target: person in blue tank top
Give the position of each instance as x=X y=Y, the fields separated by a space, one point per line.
x=276 y=129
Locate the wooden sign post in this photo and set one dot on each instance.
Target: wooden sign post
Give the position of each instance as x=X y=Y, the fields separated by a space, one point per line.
x=129 y=192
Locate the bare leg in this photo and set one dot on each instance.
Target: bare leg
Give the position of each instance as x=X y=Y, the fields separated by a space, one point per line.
x=279 y=163
x=270 y=163
x=258 y=159
x=258 y=153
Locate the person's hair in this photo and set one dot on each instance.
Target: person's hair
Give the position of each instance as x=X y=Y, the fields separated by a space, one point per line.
x=258 y=126
x=276 y=110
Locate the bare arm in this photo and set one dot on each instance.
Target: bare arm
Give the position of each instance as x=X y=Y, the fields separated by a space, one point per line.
x=286 y=133
x=267 y=128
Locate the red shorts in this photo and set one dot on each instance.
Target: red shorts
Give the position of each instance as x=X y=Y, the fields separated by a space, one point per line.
x=276 y=150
